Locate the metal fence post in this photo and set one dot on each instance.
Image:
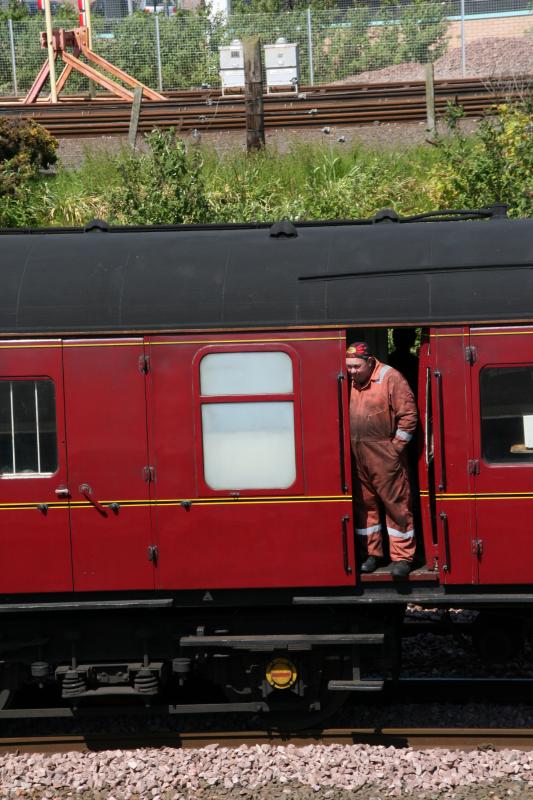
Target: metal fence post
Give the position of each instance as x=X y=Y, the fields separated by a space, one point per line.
x=130 y=8
x=430 y=98
x=310 y=47
x=158 y=54
x=463 y=46
x=13 y=59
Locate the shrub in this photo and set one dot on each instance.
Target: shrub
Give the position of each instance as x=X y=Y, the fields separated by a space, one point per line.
x=164 y=186
x=25 y=148
x=13 y=10
x=493 y=166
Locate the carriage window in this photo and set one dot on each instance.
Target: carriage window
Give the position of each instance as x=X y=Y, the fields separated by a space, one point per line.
x=28 y=438
x=507 y=414
x=248 y=443
x=246 y=373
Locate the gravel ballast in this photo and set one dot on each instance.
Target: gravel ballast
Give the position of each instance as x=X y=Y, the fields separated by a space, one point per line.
x=326 y=772
x=489 y=58
x=265 y=771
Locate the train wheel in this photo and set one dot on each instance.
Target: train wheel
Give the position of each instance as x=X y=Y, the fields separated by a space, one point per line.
x=303 y=715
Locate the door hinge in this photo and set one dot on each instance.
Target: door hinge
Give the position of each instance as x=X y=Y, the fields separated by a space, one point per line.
x=473 y=466
x=144 y=364
x=153 y=553
x=149 y=474
x=471 y=354
x=477 y=547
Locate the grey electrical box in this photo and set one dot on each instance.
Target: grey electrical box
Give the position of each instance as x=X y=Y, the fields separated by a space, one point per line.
x=281 y=65
x=231 y=66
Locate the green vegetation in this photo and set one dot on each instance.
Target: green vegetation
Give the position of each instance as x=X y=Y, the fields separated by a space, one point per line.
x=173 y=183
x=344 y=41
x=499 y=164
x=13 y=10
x=166 y=185
x=26 y=149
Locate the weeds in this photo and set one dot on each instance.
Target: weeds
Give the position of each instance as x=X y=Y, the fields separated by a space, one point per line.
x=171 y=183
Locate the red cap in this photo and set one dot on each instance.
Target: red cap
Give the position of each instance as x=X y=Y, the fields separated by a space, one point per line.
x=358 y=350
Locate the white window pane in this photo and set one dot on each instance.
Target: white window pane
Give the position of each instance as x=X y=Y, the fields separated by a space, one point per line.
x=249 y=445
x=245 y=373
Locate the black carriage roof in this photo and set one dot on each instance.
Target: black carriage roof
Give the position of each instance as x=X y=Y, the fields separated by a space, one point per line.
x=456 y=267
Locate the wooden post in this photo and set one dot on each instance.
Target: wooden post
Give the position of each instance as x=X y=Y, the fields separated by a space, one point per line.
x=50 y=48
x=88 y=22
x=253 y=94
x=430 y=99
x=135 y=114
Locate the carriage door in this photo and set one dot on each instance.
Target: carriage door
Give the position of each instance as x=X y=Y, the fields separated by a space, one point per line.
x=109 y=469
x=252 y=461
x=34 y=528
x=502 y=394
x=450 y=473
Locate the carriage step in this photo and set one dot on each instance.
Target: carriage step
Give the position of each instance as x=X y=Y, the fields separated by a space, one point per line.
x=284 y=641
x=356 y=686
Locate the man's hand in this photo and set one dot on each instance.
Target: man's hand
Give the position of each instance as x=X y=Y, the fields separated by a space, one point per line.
x=399 y=444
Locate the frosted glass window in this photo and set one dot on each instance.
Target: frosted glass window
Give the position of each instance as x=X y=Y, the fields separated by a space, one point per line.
x=249 y=445
x=246 y=373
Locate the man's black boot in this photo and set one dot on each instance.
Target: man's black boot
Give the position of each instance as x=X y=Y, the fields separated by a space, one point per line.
x=370 y=564
x=401 y=569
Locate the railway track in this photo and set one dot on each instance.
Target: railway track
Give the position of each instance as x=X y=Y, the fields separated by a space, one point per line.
x=51 y=729
x=330 y=105
x=418 y=738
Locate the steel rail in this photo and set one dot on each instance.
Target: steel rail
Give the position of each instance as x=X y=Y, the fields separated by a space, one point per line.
x=339 y=90
x=418 y=738
x=328 y=106
x=113 y=124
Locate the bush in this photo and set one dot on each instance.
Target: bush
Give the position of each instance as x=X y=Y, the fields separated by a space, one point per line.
x=25 y=148
x=164 y=186
x=493 y=166
x=13 y=10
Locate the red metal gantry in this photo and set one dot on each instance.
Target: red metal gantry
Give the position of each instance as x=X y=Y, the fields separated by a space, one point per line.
x=77 y=40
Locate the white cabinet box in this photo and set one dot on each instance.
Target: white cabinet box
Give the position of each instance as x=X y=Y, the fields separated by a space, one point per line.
x=231 y=66
x=281 y=64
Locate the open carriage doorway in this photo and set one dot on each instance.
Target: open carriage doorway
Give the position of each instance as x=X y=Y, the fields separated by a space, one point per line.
x=397 y=348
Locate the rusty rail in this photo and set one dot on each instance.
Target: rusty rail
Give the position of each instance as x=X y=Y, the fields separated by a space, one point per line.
x=330 y=105
x=449 y=738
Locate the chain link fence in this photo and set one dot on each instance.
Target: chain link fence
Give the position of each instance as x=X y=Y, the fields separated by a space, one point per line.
x=464 y=38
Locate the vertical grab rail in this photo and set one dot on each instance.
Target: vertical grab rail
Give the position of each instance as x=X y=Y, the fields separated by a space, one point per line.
x=340 y=388
x=446 y=538
x=440 y=406
x=347 y=568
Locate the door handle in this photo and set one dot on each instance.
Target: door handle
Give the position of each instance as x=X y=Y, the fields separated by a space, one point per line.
x=87 y=492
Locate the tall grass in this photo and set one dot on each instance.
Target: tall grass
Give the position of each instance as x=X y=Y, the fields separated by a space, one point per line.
x=315 y=182
x=309 y=181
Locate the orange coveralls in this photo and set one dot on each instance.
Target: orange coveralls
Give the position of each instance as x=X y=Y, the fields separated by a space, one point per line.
x=383 y=419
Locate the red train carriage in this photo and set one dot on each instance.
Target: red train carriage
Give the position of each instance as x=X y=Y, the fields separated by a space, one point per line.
x=175 y=475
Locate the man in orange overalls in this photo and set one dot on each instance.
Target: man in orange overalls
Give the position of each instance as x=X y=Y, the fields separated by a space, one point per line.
x=383 y=419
